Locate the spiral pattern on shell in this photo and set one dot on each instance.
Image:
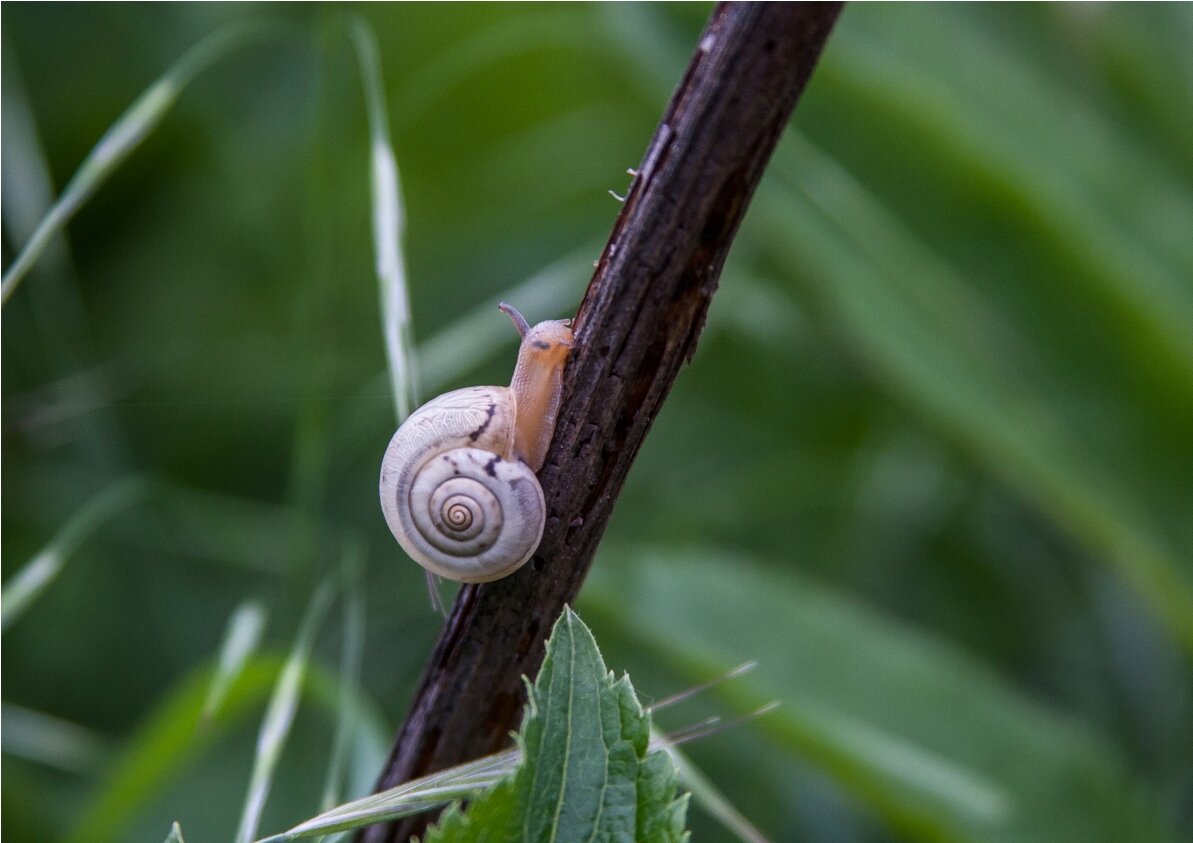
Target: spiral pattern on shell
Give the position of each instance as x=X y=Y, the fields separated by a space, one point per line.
x=450 y=497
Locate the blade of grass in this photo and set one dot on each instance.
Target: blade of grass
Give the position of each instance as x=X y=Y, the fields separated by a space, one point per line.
x=410 y=798
x=388 y=227
x=995 y=73
x=52 y=741
x=25 y=586
x=125 y=135
x=351 y=659
x=240 y=642
x=1140 y=61
x=438 y=606
x=28 y=192
x=279 y=716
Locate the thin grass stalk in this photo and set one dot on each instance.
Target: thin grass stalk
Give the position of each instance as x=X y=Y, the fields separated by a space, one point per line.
x=240 y=641
x=696 y=690
x=28 y=189
x=51 y=741
x=125 y=135
x=279 y=716
x=27 y=584
x=388 y=227
x=422 y=794
x=351 y=661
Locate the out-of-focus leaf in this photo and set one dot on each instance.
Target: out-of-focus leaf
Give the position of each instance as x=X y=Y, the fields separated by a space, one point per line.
x=917 y=341
x=175 y=732
x=934 y=742
x=166 y=739
x=1049 y=205
x=254 y=535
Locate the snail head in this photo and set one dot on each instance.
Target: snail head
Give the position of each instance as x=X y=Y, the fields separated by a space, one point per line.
x=551 y=339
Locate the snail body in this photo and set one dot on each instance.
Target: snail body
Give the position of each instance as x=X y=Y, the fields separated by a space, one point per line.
x=458 y=486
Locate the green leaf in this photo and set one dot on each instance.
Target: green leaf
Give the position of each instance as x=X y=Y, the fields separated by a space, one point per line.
x=936 y=744
x=587 y=771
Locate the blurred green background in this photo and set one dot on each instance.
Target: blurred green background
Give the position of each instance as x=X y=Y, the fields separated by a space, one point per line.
x=931 y=465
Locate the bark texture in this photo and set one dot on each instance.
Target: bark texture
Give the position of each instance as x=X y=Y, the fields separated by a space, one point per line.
x=638 y=323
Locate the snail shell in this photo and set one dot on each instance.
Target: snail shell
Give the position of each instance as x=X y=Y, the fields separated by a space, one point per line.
x=458 y=485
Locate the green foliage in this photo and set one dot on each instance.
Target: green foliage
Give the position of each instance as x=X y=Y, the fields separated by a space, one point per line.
x=930 y=464
x=587 y=772
x=584 y=767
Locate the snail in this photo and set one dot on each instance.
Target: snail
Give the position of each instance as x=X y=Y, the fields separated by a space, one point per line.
x=458 y=485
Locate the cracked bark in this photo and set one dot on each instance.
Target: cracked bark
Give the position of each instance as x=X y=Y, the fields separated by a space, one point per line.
x=638 y=323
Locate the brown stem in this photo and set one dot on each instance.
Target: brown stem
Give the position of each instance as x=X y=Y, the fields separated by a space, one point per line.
x=638 y=323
